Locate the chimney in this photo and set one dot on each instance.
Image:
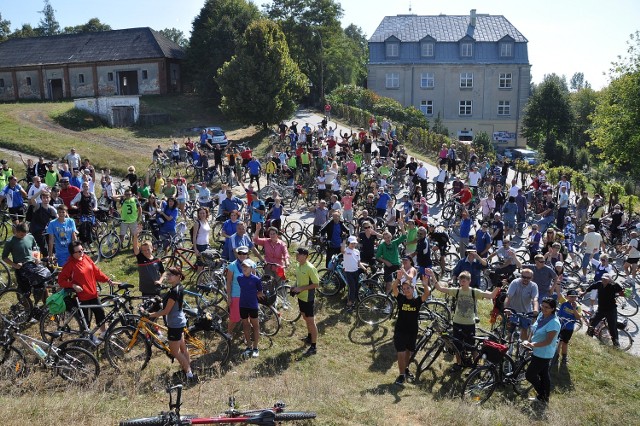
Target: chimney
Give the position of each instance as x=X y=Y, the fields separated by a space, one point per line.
x=473 y=18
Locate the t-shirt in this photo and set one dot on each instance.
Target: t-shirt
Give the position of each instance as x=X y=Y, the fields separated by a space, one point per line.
x=567 y=311
x=351 y=259
x=390 y=251
x=249 y=288
x=21 y=249
x=592 y=241
x=149 y=271
x=606 y=295
x=175 y=317
x=13 y=196
x=540 y=334
x=408 y=312
x=521 y=296
x=254 y=167
x=129 y=210
x=62 y=234
x=465 y=313
x=255 y=216
x=306 y=274
x=543 y=278
x=412 y=233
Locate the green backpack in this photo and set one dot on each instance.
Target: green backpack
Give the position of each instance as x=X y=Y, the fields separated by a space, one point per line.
x=56 y=303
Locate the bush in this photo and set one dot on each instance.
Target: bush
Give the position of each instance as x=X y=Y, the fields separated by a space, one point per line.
x=77 y=119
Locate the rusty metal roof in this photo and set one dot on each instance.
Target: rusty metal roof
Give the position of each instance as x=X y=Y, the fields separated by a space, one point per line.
x=116 y=45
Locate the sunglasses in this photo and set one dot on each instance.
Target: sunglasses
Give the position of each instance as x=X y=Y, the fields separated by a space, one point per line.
x=527 y=278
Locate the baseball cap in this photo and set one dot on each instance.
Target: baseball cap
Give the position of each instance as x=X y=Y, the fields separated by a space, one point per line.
x=352 y=239
x=64 y=179
x=607 y=276
x=559 y=264
x=250 y=263
x=591 y=227
x=243 y=250
x=572 y=293
x=302 y=250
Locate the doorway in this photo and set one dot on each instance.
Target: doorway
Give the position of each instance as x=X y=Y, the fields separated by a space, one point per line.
x=55 y=89
x=128 y=83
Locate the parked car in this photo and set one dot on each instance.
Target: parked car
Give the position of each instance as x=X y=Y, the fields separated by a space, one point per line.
x=216 y=136
x=527 y=155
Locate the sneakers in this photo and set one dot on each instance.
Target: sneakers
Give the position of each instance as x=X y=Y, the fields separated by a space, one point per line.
x=311 y=351
x=247 y=352
x=400 y=380
x=564 y=360
x=306 y=340
x=255 y=353
x=193 y=379
x=95 y=339
x=408 y=374
x=349 y=309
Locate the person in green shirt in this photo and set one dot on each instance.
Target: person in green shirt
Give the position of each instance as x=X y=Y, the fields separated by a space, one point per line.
x=389 y=254
x=5 y=173
x=52 y=177
x=306 y=283
x=17 y=252
x=357 y=158
x=412 y=237
x=131 y=214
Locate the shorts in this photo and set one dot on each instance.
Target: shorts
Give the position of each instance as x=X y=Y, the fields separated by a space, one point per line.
x=632 y=261
x=174 y=334
x=565 y=335
x=587 y=257
x=132 y=227
x=388 y=272
x=17 y=213
x=463 y=333
x=248 y=312
x=234 y=310
x=181 y=201
x=306 y=308
x=510 y=223
x=520 y=321
x=405 y=341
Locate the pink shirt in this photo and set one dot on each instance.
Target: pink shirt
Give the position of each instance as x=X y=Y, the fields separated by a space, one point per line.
x=351 y=167
x=273 y=252
x=347 y=202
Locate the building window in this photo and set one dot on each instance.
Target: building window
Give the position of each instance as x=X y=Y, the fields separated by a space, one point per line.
x=109 y=76
x=426 y=107
x=427 y=80
x=427 y=49
x=28 y=81
x=504 y=108
x=393 y=50
x=466 y=108
x=505 y=80
x=1 y=82
x=145 y=75
x=506 y=50
x=466 y=50
x=80 y=78
x=466 y=80
x=392 y=80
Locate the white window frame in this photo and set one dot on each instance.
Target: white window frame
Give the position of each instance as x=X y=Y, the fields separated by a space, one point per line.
x=427 y=80
x=466 y=49
x=392 y=80
x=505 y=80
x=426 y=107
x=392 y=49
x=504 y=108
x=506 y=49
x=465 y=108
x=429 y=47
x=466 y=80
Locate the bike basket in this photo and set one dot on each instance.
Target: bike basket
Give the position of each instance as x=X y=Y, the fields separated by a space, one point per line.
x=56 y=302
x=269 y=290
x=622 y=324
x=494 y=352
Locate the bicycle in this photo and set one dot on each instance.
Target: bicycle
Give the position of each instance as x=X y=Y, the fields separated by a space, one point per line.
x=264 y=417
x=128 y=348
x=602 y=333
x=72 y=363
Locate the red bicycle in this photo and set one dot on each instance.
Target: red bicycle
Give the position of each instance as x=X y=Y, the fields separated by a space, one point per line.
x=265 y=417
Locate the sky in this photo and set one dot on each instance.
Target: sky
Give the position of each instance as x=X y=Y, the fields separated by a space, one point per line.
x=565 y=36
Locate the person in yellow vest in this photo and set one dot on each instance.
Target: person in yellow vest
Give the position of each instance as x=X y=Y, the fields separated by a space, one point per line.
x=270 y=169
x=5 y=173
x=131 y=214
x=305 y=159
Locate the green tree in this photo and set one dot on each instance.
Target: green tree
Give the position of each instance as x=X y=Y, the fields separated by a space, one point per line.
x=176 y=36
x=583 y=104
x=26 y=31
x=578 y=82
x=483 y=145
x=93 y=25
x=48 y=24
x=271 y=82
x=548 y=113
x=215 y=34
x=5 y=29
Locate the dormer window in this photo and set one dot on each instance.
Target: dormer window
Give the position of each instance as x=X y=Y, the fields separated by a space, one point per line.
x=506 y=49
x=393 y=49
x=466 y=49
x=427 y=49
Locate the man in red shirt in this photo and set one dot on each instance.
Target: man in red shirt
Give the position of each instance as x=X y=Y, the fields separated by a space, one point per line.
x=246 y=156
x=465 y=195
x=68 y=193
x=331 y=145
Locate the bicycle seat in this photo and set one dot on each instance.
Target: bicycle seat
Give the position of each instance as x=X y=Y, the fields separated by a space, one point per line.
x=125 y=286
x=54 y=334
x=191 y=312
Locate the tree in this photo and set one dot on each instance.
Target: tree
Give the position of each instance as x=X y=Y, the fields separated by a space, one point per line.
x=176 y=36
x=93 y=25
x=26 y=31
x=583 y=105
x=5 y=29
x=578 y=82
x=215 y=34
x=48 y=24
x=548 y=113
x=270 y=83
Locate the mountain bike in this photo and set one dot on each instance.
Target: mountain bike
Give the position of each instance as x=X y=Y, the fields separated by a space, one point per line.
x=265 y=417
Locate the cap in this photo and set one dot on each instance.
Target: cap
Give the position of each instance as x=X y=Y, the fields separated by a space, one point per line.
x=407 y=258
x=64 y=179
x=302 y=250
x=568 y=219
x=352 y=239
x=250 y=263
x=572 y=292
x=243 y=250
x=559 y=264
x=3 y=161
x=591 y=227
x=471 y=247
x=607 y=276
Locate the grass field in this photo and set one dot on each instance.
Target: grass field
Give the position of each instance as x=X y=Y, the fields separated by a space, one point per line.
x=349 y=381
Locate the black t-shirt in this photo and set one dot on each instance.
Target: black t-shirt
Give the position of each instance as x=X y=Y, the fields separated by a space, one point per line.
x=282 y=127
x=498 y=225
x=294 y=128
x=606 y=295
x=412 y=166
x=367 y=147
x=408 y=311
x=367 y=247
x=384 y=150
x=616 y=219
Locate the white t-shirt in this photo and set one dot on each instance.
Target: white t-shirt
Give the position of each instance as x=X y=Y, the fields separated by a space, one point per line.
x=634 y=253
x=592 y=241
x=421 y=172
x=351 y=259
x=474 y=178
x=513 y=191
x=33 y=190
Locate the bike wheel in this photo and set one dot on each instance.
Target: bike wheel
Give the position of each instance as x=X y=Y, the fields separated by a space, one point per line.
x=15 y=306
x=66 y=322
x=210 y=351
x=520 y=383
x=109 y=245
x=626 y=307
x=430 y=307
x=625 y=340
x=294 y=416
x=448 y=211
x=77 y=365
x=315 y=257
x=92 y=250
x=171 y=262
x=6 y=232
x=126 y=353
x=269 y=320
x=480 y=385
x=5 y=276
x=13 y=364
x=374 y=309
x=329 y=284
x=286 y=304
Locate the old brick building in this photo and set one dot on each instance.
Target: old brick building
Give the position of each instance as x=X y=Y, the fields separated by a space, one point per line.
x=135 y=61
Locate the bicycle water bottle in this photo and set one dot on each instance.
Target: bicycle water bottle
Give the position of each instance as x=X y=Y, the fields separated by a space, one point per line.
x=38 y=350
x=627 y=293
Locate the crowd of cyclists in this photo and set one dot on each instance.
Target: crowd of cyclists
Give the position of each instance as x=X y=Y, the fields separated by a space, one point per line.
x=466 y=231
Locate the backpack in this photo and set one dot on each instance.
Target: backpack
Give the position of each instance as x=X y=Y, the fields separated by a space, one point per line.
x=498 y=301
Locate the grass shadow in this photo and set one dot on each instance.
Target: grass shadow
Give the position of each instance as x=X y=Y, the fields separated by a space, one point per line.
x=383 y=357
x=561 y=377
x=274 y=365
x=363 y=334
x=447 y=386
x=385 y=389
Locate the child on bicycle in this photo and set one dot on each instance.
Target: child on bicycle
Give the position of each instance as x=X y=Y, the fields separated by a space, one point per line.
x=569 y=313
x=250 y=291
